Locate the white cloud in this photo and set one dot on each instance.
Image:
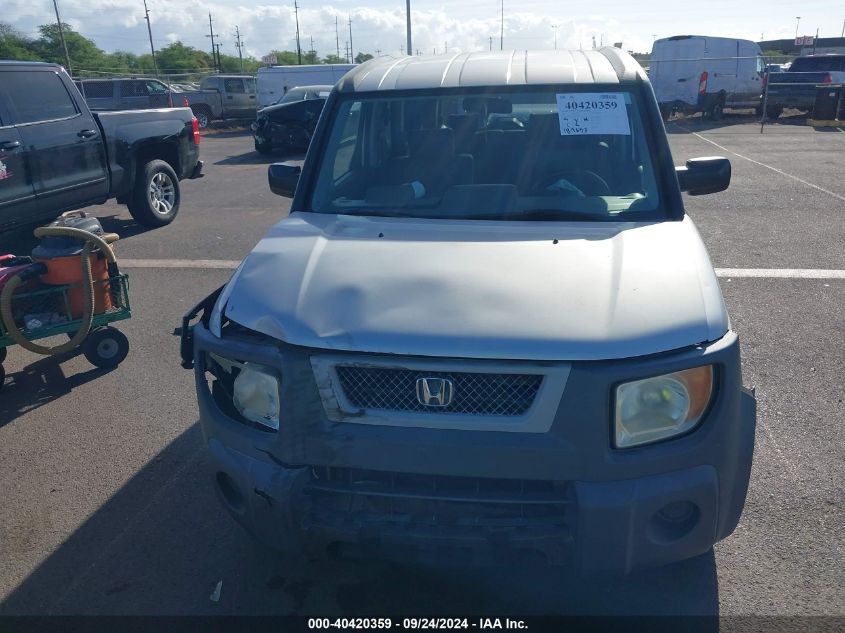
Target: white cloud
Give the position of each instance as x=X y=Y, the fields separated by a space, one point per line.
x=380 y=25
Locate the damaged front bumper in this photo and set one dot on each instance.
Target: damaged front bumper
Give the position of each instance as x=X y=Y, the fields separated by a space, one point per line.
x=560 y=494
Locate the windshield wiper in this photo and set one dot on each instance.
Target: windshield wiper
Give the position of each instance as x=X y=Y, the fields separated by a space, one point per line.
x=558 y=214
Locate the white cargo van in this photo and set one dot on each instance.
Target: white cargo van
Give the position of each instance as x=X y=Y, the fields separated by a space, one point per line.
x=697 y=73
x=273 y=82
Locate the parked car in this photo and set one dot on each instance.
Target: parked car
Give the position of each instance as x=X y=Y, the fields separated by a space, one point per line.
x=274 y=82
x=696 y=73
x=301 y=93
x=125 y=94
x=221 y=97
x=287 y=126
x=796 y=88
x=488 y=344
x=56 y=155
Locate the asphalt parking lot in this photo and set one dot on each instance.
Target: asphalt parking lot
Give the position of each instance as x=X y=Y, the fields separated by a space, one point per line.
x=107 y=507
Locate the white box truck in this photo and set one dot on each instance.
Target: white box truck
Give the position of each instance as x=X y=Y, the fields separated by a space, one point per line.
x=698 y=73
x=274 y=81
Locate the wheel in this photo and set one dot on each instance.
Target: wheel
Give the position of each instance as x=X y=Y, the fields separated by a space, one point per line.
x=106 y=348
x=155 y=200
x=203 y=116
x=773 y=112
x=263 y=148
x=665 y=114
x=717 y=111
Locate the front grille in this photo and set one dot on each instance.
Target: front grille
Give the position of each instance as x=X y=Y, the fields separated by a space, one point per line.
x=436 y=506
x=472 y=393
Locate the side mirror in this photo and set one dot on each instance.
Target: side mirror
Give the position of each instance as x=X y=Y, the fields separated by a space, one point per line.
x=283 y=178
x=704 y=175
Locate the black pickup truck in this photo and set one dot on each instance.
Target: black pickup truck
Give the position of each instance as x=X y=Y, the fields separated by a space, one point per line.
x=56 y=155
x=797 y=87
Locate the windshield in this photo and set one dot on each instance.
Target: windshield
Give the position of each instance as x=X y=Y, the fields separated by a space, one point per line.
x=294 y=94
x=515 y=154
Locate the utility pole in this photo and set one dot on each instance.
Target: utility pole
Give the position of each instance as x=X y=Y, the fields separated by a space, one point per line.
x=843 y=29
x=445 y=47
x=298 y=47
x=351 y=53
x=62 y=37
x=240 y=47
x=502 y=32
x=346 y=51
x=150 y=31
x=555 y=27
x=491 y=42
x=312 y=53
x=401 y=49
x=797 y=22
x=378 y=52
x=213 y=48
x=336 y=36
x=219 y=61
x=408 y=25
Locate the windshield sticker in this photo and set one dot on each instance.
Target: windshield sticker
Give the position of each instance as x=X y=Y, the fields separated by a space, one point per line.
x=592 y=113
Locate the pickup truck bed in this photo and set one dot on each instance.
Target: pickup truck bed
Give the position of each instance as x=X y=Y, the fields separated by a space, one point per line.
x=797 y=88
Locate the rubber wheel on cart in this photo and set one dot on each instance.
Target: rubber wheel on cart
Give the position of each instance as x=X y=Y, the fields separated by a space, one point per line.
x=106 y=348
x=155 y=200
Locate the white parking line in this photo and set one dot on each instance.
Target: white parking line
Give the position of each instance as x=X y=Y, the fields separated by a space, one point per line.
x=757 y=162
x=781 y=273
x=758 y=273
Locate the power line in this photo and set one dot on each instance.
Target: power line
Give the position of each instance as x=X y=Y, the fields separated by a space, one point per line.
x=502 y=32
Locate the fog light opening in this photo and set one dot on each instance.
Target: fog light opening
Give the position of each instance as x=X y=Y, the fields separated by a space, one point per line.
x=674 y=521
x=230 y=493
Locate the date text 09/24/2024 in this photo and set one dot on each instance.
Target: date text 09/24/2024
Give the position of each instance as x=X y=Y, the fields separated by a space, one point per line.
x=412 y=624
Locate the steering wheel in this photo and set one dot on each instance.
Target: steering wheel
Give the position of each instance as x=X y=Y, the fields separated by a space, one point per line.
x=590 y=183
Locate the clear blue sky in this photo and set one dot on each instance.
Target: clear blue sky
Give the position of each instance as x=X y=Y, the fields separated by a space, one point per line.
x=461 y=25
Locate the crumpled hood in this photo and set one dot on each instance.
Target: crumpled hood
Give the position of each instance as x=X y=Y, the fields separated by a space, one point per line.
x=478 y=289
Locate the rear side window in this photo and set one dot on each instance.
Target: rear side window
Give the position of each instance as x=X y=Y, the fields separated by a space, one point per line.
x=813 y=64
x=234 y=85
x=96 y=89
x=37 y=96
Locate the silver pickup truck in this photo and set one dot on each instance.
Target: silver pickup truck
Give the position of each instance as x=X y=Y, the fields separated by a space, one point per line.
x=220 y=97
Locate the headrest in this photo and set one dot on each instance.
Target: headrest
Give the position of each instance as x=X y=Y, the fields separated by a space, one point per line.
x=432 y=142
x=465 y=123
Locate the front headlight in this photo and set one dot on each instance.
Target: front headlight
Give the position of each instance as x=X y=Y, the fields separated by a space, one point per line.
x=253 y=389
x=661 y=407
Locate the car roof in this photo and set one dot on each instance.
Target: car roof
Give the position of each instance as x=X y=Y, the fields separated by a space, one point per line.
x=606 y=65
x=34 y=65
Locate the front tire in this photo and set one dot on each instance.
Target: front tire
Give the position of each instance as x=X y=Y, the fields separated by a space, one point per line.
x=263 y=148
x=106 y=348
x=155 y=200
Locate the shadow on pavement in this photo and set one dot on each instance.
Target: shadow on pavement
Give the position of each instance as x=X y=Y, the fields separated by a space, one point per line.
x=254 y=158
x=40 y=383
x=696 y=123
x=162 y=542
